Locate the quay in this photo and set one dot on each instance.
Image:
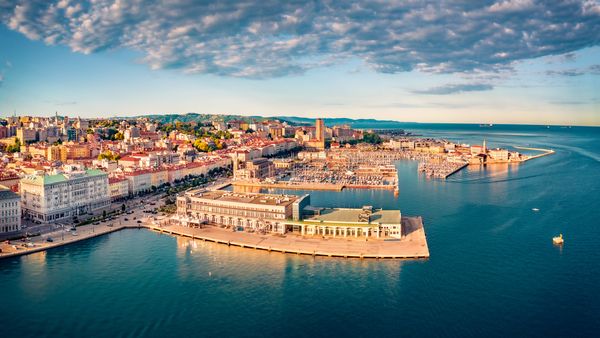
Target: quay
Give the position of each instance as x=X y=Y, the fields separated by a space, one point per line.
x=294 y=186
x=544 y=152
x=310 y=186
x=413 y=244
x=40 y=244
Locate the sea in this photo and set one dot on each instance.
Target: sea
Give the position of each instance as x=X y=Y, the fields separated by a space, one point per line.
x=493 y=270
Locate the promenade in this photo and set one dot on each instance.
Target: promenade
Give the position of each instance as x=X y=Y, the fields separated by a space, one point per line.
x=59 y=237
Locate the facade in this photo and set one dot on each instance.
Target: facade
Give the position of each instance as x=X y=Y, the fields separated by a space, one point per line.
x=283 y=214
x=50 y=198
x=256 y=169
x=10 y=211
x=26 y=135
x=118 y=188
x=245 y=210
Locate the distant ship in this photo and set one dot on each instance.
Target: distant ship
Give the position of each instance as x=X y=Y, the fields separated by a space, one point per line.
x=486 y=125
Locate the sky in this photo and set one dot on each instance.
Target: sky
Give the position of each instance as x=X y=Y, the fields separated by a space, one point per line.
x=505 y=61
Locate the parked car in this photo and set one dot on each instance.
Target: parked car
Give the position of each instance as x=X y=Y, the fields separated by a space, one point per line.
x=49 y=239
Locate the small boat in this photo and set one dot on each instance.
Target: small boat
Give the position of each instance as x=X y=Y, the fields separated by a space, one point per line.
x=535 y=209
x=558 y=240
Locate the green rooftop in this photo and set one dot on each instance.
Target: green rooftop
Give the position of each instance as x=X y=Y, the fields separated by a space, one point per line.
x=58 y=178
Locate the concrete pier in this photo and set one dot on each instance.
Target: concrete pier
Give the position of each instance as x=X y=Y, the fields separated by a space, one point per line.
x=413 y=245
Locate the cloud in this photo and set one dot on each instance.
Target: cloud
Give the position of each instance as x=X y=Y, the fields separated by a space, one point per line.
x=455 y=88
x=592 y=70
x=269 y=38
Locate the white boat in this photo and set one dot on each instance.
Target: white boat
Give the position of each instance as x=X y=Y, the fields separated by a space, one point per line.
x=558 y=240
x=535 y=209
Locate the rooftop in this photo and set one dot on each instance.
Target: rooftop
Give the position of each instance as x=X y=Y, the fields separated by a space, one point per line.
x=352 y=216
x=251 y=198
x=57 y=178
x=6 y=194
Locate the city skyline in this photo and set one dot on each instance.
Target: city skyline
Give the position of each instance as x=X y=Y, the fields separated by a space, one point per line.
x=443 y=62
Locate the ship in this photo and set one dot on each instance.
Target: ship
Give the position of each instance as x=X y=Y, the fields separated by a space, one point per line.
x=486 y=125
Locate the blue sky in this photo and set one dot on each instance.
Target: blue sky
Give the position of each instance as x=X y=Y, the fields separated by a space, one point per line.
x=513 y=61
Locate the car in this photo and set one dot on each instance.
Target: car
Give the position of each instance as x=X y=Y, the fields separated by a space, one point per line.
x=135 y=218
x=49 y=239
x=126 y=219
x=139 y=221
x=96 y=223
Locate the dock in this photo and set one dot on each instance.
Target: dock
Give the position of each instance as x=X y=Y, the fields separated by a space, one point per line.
x=413 y=245
x=291 y=186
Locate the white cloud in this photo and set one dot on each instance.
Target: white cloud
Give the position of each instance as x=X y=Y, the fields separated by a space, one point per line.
x=267 y=38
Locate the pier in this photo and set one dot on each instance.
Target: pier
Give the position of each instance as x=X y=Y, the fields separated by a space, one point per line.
x=413 y=245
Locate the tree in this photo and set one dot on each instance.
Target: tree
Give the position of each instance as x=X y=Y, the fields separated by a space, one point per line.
x=371 y=138
x=109 y=156
x=14 y=148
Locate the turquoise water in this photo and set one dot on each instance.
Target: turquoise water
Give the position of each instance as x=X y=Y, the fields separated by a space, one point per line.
x=493 y=269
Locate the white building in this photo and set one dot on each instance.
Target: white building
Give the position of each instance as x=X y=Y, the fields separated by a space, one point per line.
x=283 y=214
x=49 y=198
x=10 y=211
x=118 y=187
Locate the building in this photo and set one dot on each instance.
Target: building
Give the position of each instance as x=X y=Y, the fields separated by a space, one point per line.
x=249 y=211
x=75 y=191
x=499 y=154
x=118 y=188
x=256 y=169
x=318 y=143
x=283 y=214
x=26 y=135
x=320 y=130
x=57 y=153
x=10 y=211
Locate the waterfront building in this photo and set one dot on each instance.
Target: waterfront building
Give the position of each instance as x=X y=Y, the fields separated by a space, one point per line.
x=282 y=214
x=499 y=154
x=74 y=191
x=10 y=210
x=118 y=188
